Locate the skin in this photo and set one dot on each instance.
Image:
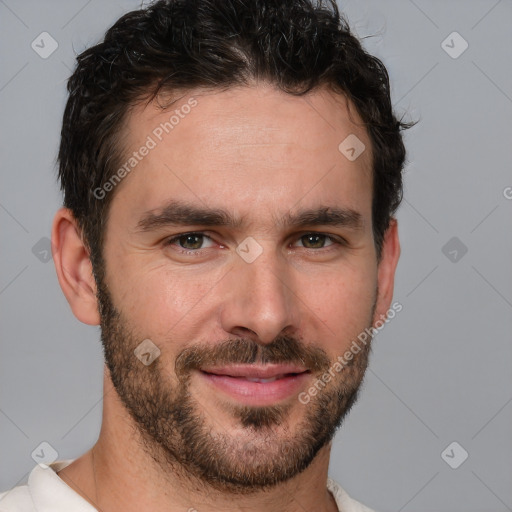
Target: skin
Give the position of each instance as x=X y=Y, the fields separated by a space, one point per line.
x=261 y=154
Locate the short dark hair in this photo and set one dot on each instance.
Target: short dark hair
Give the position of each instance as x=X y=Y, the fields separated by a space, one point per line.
x=174 y=45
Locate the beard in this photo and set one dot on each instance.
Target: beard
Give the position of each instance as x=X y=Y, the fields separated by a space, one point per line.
x=177 y=433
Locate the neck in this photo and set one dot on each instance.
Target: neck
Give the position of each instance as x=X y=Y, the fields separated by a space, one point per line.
x=117 y=474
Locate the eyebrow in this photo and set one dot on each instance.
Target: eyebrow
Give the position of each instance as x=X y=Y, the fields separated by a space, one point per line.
x=178 y=213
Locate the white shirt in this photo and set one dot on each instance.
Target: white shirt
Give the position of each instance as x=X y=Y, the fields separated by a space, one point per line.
x=45 y=491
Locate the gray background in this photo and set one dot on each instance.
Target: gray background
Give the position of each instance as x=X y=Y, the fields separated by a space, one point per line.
x=441 y=370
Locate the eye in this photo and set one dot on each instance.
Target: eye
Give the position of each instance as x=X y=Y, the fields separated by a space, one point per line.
x=190 y=241
x=316 y=240
x=194 y=242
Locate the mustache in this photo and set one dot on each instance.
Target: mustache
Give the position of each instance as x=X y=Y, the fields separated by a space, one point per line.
x=284 y=349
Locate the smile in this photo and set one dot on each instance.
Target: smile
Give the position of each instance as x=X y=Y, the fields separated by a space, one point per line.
x=257 y=385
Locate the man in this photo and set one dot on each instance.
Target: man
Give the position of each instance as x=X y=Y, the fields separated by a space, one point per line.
x=230 y=173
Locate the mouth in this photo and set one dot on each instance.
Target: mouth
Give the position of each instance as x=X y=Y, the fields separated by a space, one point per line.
x=257 y=385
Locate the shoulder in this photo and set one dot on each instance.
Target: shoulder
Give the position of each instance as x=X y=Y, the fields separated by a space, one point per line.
x=16 y=500
x=43 y=491
x=343 y=500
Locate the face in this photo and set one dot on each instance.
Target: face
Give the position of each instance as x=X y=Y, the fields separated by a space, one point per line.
x=241 y=245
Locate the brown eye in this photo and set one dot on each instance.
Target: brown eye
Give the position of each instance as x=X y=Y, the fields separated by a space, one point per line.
x=189 y=241
x=315 y=240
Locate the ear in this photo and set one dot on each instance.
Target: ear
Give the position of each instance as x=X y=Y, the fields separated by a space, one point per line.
x=74 y=268
x=386 y=270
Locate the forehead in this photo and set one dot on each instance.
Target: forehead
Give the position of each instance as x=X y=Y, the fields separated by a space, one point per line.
x=246 y=146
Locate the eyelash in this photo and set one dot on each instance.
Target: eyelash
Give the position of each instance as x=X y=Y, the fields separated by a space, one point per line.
x=336 y=241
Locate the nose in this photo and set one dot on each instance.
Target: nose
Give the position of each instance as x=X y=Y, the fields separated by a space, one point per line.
x=259 y=299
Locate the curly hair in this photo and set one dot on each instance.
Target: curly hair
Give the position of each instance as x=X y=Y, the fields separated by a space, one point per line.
x=174 y=45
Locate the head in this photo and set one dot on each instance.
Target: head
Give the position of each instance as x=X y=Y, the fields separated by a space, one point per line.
x=228 y=123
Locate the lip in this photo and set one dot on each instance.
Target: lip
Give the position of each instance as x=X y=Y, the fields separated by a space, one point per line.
x=285 y=381
x=255 y=371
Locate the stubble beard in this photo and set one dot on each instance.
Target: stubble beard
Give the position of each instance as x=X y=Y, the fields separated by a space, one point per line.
x=178 y=435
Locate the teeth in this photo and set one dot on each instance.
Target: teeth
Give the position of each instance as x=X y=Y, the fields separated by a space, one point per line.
x=263 y=381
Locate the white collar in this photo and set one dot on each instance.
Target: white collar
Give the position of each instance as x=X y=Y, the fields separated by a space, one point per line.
x=51 y=494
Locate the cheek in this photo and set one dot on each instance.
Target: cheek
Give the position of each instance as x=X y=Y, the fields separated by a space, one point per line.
x=163 y=304
x=342 y=305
